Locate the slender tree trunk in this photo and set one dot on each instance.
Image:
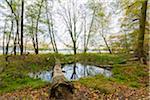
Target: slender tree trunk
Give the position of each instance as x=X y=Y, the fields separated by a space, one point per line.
x=73 y=41
x=85 y=48
x=7 y=46
x=107 y=44
x=51 y=38
x=22 y=15
x=36 y=31
x=74 y=47
x=89 y=32
x=56 y=50
x=140 y=51
x=14 y=48
x=3 y=43
x=36 y=44
x=33 y=41
x=25 y=47
x=32 y=36
x=71 y=19
x=17 y=24
x=4 y=38
x=102 y=34
x=49 y=26
x=17 y=35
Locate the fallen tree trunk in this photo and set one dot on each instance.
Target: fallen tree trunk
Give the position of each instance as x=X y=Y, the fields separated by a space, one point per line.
x=61 y=89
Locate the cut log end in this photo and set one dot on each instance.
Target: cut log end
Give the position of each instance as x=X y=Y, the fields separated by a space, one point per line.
x=61 y=89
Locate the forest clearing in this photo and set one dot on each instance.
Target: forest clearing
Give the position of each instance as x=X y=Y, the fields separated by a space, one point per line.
x=74 y=49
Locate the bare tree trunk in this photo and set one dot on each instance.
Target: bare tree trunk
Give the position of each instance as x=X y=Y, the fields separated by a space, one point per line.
x=140 y=51
x=17 y=24
x=17 y=35
x=25 y=47
x=89 y=32
x=3 y=43
x=7 y=46
x=55 y=45
x=49 y=26
x=70 y=18
x=37 y=45
x=22 y=15
x=14 y=48
x=36 y=31
x=85 y=48
x=4 y=38
x=74 y=47
x=34 y=45
x=102 y=34
x=32 y=36
x=106 y=44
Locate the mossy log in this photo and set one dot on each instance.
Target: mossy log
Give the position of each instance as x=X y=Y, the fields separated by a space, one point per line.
x=61 y=89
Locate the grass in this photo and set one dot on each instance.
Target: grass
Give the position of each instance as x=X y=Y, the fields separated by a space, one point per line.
x=12 y=84
x=99 y=82
x=130 y=75
x=14 y=80
x=13 y=74
x=100 y=59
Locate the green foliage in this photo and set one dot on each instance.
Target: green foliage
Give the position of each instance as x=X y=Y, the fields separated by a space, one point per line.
x=101 y=14
x=125 y=42
x=131 y=22
x=14 y=6
x=32 y=15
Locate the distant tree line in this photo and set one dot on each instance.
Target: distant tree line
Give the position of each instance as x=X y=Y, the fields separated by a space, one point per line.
x=82 y=22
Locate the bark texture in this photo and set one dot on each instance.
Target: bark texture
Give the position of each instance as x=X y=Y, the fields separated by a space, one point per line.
x=61 y=89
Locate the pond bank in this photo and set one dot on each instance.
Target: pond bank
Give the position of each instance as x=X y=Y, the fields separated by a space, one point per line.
x=74 y=71
x=14 y=76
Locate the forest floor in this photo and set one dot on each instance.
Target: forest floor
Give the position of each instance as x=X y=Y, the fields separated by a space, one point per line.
x=122 y=93
x=130 y=79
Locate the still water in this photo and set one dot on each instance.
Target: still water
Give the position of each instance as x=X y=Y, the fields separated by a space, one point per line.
x=74 y=72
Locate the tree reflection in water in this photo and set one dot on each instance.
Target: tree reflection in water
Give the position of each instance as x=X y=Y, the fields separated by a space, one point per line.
x=74 y=74
x=74 y=71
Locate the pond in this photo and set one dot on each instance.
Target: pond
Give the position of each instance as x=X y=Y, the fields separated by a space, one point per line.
x=74 y=72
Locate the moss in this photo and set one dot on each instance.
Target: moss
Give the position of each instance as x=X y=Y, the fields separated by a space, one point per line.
x=131 y=75
x=99 y=82
x=134 y=84
x=100 y=59
x=13 y=84
x=14 y=74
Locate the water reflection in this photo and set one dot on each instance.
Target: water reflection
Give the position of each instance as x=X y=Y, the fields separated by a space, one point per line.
x=74 y=72
x=45 y=75
x=77 y=70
